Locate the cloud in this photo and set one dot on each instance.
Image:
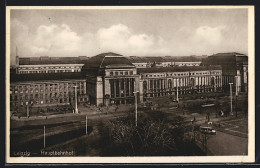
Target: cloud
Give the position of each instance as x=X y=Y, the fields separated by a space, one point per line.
x=201 y=40
x=60 y=40
x=210 y=35
x=114 y=37
x=56 y=39
x=120 y=38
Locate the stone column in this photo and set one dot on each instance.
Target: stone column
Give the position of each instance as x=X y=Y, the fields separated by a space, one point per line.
x=114 y=87
x=125 y=87
x=119 y=86
x=129 y=86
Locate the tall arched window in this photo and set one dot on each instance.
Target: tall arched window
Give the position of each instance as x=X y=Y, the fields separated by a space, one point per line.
x=192 y=82
x=169 y=83
x=212 y=81
x=145 y=86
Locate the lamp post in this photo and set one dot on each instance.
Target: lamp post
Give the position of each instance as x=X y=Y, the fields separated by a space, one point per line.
x=76 y=106
x=230 y=84
x=236 y=77
x=136 y=107
x=236 y=93
x=27 y=110
x=177 y=84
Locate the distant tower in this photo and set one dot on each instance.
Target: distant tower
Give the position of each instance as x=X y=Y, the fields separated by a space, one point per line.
x=16 y=58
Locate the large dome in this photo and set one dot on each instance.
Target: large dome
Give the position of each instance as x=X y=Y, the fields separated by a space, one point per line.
x=108 y=60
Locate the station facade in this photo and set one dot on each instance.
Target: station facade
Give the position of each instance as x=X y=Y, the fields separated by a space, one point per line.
x=110 y=78
x=113 y=79
x=185 y=80
x=234 y=69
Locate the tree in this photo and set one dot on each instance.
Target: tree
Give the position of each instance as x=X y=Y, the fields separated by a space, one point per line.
x=150 y=138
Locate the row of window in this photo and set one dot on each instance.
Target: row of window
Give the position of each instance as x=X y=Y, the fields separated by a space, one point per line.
x=51 y=67
x=49 y=101
x=41 y=96
x=48 y=71
x=46 y=87
x=182 y=74
x=46 y=90
x=55 y=85
x=116 y=73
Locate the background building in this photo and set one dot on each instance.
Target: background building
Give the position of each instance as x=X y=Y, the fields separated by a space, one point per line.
x=189 y=80
x=45 y=64
x=41 y=90
x=111 y=78
x=165 y=61
x=234 y=68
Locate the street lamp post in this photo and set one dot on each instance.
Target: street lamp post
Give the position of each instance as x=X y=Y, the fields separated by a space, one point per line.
x=236 y=77
x=230 y=84
x=76 y=105
x=177 y=83
x=236 y=93
x=27 y=110
x=136 y=107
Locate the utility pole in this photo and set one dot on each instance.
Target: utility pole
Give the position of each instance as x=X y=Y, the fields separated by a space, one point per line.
x=205 y=143
x=44 y=136
x=231 y=112
x=177 y=83
x=86 y=125
x=76 y=105
x=27 y=108
x=236 y=93
x=136 y=108
x=236 y=77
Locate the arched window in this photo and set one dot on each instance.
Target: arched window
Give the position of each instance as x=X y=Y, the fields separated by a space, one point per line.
x=145 y=86
x=212 y=81
x=192 y=82
x=169 y=83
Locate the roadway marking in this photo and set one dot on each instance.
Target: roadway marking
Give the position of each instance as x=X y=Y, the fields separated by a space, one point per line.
x=234 y=126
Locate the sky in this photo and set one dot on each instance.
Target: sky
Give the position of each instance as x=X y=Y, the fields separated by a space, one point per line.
x=139 y=32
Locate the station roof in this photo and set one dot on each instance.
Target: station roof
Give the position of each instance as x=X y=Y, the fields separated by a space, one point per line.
x=108 y=60
x=178 y=69
x=146 y=59
x=226 y=59
x=43 y=60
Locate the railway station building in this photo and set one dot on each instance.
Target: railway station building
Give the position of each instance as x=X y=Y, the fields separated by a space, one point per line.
x=113 y=79
x=110 y=78
x=234 y=69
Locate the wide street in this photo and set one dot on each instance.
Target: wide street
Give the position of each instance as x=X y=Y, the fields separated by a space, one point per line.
x=231 y=137
x=232 y=130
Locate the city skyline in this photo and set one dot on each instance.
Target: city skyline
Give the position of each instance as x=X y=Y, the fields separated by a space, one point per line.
x=174 y=32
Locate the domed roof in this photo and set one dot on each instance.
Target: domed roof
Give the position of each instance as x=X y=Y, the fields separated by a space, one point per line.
x=108 y=60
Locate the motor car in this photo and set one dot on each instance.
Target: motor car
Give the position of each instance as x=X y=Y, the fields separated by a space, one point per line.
x=208 y=130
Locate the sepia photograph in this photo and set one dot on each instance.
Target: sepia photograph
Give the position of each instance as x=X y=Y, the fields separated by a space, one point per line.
x=157 y=84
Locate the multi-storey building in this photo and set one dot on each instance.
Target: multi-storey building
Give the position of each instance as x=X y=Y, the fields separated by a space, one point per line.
x=167 y=61
x=185 y=80
x=49 y=68
x=234 y=69
x=44 y=64
x=41 y=90
x=112 y=78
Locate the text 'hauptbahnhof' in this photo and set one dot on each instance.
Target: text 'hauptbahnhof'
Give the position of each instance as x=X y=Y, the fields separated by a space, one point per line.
x=111 y=78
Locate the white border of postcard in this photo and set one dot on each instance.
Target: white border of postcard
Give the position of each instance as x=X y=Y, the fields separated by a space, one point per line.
x=174 y=159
